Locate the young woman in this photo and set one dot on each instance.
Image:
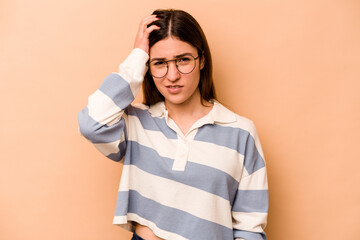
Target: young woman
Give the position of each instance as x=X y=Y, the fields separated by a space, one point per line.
x=192 y=169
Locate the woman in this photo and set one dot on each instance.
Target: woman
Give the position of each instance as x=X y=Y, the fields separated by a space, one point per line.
x=192 y=168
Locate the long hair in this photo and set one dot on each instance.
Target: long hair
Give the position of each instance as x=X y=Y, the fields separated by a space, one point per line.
x=182 y=25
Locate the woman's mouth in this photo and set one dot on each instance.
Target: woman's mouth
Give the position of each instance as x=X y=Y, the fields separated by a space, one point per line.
x=174 y=88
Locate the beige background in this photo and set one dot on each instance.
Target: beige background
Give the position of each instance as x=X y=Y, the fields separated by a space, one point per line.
x=293 y=67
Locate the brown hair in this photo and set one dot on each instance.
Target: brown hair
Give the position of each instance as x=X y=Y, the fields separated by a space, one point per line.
x=182 y=25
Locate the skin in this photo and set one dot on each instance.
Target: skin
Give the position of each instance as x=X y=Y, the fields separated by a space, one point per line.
x=187 y=91
x=183 y=104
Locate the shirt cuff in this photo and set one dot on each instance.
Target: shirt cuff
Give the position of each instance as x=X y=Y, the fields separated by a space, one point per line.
x=135 y=64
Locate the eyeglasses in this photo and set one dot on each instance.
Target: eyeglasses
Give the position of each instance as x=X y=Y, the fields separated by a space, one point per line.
x=184 y=64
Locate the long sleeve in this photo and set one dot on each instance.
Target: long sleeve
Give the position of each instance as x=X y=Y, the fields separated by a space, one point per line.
x=250 y=206
x=103 y=120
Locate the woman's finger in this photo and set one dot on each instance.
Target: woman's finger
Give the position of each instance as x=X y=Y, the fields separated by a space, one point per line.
x=148 y=20
x=142 y=36
x=150 y=29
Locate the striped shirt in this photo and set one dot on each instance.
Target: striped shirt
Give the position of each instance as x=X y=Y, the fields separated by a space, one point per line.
x=209 y=183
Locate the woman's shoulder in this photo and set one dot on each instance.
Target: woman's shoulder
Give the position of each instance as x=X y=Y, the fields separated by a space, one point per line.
x=227 y=117
x=140 y=106
x=137 y=109
x=157 y=110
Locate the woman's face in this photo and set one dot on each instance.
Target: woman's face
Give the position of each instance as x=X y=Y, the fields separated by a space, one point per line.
x=177 y=88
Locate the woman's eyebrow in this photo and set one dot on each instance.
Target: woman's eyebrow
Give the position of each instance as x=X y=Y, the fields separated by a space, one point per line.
x=177 y=56
x=161 y=59
x=183 y=54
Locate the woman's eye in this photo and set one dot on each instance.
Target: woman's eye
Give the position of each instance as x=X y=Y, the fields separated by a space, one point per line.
x=184 y=59
x=159 y=63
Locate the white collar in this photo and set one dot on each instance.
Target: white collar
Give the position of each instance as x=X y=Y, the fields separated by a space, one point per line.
x=218 y=114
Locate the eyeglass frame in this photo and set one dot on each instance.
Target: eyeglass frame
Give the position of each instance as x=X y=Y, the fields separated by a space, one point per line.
x=177 y=67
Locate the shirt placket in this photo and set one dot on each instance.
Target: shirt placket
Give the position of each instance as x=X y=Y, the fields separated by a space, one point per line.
x=181 y=154
x=182 y=146
x=183 y=141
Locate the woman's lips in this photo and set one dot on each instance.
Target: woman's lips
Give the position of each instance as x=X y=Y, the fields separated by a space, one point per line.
x=174 y=88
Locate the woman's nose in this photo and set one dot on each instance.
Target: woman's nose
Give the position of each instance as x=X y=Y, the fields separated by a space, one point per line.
x=173 y=74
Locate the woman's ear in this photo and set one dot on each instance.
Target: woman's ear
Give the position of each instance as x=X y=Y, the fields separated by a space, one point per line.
x=202 y=62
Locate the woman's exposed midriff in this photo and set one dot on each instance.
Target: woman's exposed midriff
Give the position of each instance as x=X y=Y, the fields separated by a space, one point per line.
x=146 y=233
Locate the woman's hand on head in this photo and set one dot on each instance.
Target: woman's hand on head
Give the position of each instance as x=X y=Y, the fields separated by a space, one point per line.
x=142 y=36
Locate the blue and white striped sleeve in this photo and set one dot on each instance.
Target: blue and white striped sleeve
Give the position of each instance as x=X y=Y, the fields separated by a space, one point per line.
x=103 y=120
x=250 y=207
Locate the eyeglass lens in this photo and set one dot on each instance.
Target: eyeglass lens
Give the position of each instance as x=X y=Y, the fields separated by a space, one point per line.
x=184 y=64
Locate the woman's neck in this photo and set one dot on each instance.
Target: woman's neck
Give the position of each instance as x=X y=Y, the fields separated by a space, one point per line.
x=191 y=107
x=187 y=113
